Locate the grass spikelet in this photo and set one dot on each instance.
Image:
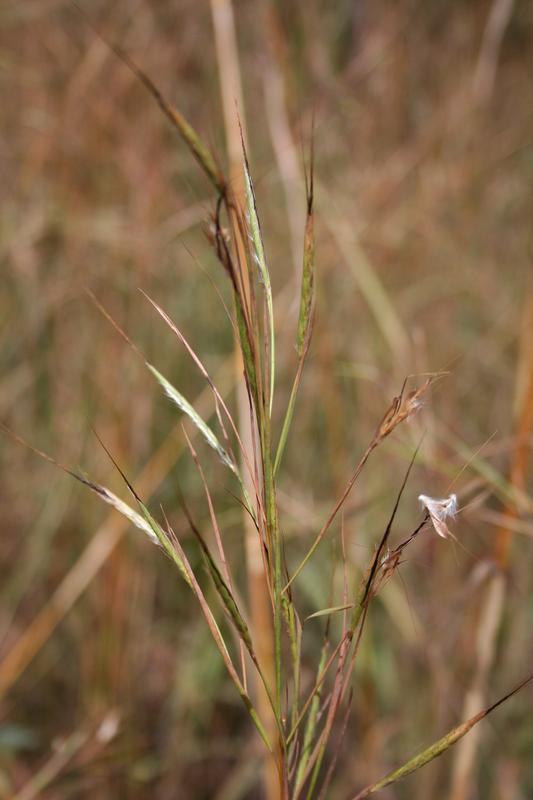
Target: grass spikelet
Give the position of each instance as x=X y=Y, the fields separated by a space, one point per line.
x=144 y=522
x=190 y=137
x=307 y=292
x=184 y=405
x=258 y=252
x=174 y=550
x=123 y=508
x=156 y=529
x=245 y=328
x=305 y=317
x=223 y=589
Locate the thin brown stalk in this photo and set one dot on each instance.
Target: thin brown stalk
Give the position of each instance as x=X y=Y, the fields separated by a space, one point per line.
x=346 y=660
x=214 y=522
x=401 y=408
x=323 y=531
x=315 y=690
x=338 y=746
x=315 y=759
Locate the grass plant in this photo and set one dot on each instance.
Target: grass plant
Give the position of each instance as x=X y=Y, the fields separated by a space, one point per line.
x=301 y=727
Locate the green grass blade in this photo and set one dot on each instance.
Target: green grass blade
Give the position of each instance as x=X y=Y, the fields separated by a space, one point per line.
x=174 y=550
x=145 y=523
x=165 y=543
x=437 y=748
x=238 y=620
x=287 y=422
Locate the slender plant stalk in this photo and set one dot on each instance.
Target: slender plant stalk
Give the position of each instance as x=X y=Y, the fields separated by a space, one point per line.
x=312 y=719
x=259 y=596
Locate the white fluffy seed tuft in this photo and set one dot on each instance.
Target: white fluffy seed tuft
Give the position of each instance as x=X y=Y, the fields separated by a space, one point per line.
x=439 y=511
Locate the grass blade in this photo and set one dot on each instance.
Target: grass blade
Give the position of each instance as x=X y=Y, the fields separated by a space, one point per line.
x=438 y=747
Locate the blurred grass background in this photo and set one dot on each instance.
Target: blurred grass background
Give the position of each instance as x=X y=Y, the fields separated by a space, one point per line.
x=423 y=134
